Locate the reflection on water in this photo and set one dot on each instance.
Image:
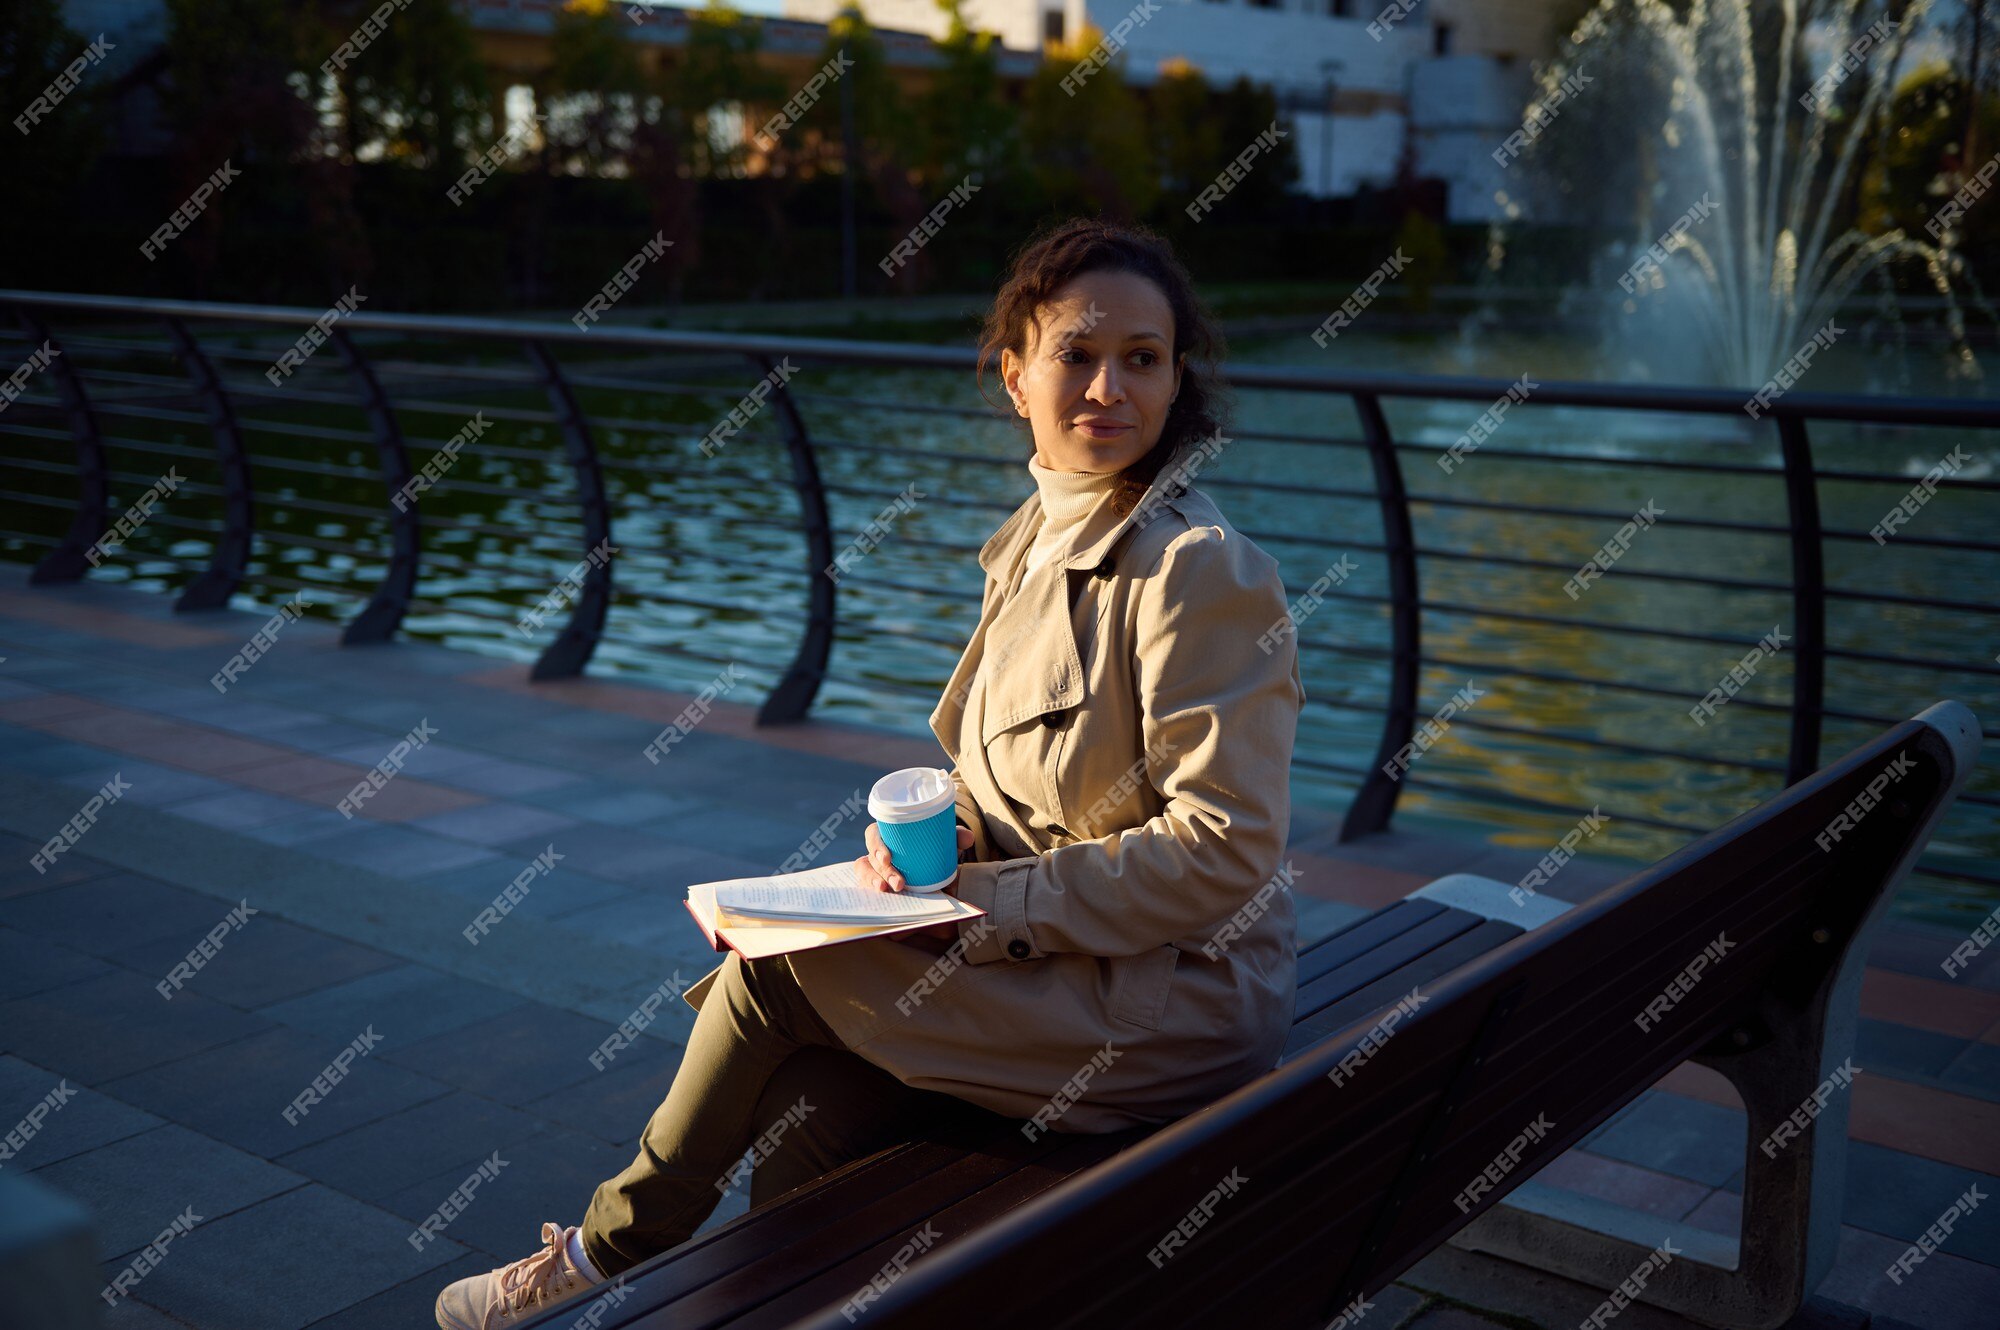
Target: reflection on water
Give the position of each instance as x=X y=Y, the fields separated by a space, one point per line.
x=711 y=569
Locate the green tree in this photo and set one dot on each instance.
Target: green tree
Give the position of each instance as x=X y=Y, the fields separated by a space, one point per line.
x=1086 y=134
x=968 y=126
x=717 y=80
x=883 y=127
x=1919 y=167
x=57 y=148
x=594 y=91
x=1243 y=111
x=417 y=93
x=1187 y=140
x=236 y=91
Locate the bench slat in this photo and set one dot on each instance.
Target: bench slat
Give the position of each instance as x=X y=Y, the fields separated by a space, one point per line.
x=1362 y=935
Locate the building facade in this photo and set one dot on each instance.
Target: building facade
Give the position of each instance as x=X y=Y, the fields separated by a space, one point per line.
x=1355 y=78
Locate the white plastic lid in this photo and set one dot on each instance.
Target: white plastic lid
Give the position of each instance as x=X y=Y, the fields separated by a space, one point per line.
x=911 y=794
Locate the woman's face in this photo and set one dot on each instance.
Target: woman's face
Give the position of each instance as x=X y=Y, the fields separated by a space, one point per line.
x=1098 y=375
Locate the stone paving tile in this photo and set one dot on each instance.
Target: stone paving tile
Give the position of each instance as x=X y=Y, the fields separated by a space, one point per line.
x=314 y=824
x=1975 y=1071
x=1623 y=1184
x=406 y=1004
x=1683 y=1137
x=132 y=1314
x=496 y=823
x=447 y=1135
x=656 y=919
x=330 y=738
x=398 y=851
x=301 y=775
x=440 y=758
x=30 y=964
x=266 y=960
x=761 y=836
x=264 y=1074
x=153 y=785
x=1921 y=1120
x=519 y=1055
x=403 y=799
x=46 y=706
x=551 y=896
x=1907 y=1054
x=1720 y=1212
x=243 y=1272
x=1945 y=1292
x=115 y=1024
x=1899 y=1195
x=503 y=779
x=210 y=752
x=1929 y=1004
x=617 y=805
x=1921 y=949
x=410 y=1305
x=644 y=859
x=549 y=1177
x=616 y=1104
x=85 y=1120
x=19 y=877
x=1453 y=1318
x=568 y=724
x=102 y=916
x=1392 y=1307
x=237 y=809
x=61 y=759
x=129 y=1184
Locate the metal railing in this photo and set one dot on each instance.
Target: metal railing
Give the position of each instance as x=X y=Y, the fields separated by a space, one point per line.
x=71 y=412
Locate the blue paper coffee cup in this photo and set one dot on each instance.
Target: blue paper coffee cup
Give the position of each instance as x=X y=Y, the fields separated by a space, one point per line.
x=914 y=809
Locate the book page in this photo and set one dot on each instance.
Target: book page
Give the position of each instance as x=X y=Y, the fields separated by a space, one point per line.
x=828 y=894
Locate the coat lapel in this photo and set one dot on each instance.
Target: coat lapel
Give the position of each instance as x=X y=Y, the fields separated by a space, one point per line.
x=1028 y=655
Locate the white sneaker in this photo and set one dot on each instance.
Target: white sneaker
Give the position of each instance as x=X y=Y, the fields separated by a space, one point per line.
x=507 y=1296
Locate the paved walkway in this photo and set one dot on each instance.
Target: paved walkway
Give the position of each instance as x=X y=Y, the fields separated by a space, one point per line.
x=475 y=1051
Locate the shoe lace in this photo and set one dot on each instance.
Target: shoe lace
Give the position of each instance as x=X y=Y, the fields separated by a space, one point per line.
x=530 y=1278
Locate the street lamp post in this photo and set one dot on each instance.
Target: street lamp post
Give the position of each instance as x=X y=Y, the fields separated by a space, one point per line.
x=1327 y=69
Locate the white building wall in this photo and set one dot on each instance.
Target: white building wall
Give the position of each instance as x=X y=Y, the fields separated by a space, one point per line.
x=1019 y=22
x=1461 y=109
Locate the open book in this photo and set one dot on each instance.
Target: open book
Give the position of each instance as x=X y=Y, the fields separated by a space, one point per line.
x=821 y=907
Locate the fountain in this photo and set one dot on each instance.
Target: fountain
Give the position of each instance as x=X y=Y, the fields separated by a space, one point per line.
x=1731 y=150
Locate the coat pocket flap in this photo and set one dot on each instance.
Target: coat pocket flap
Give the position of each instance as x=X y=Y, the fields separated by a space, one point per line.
x=1140 y=988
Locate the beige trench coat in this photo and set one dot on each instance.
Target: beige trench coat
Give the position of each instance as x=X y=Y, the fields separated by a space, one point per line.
x=1125 y=768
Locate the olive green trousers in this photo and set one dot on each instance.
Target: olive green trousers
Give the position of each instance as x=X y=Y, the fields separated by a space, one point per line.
x=766 y=1091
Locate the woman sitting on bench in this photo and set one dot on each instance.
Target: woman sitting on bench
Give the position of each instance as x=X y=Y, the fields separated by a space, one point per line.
x=1122 y=723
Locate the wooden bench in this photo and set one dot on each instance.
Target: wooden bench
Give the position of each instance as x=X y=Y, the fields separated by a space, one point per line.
x=1439 y=1057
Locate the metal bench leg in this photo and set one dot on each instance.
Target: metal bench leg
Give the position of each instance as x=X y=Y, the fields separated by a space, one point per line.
x=1791 y=1065
x=1792 y=1189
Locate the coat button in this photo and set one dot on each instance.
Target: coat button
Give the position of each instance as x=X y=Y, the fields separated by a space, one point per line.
x=1105 y=568
x=1051 y=719
x=1017 y=949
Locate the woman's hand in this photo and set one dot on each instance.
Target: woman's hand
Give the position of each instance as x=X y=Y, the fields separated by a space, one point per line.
x=877 y=871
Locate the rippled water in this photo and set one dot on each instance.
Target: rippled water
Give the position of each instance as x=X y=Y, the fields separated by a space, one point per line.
x=711 y=562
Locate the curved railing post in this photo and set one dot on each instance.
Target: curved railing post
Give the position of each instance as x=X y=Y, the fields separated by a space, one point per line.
x=379 y=619
x=70 y=560
x=793 y=697
x=218 y=582
x=571 y=651
x=1375 y=802
x=1808 y=598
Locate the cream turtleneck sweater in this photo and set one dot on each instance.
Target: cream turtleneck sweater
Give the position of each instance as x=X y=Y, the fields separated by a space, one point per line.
x=1073 y=510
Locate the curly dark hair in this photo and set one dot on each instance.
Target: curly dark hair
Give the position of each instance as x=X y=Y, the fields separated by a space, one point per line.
x=1047 y=261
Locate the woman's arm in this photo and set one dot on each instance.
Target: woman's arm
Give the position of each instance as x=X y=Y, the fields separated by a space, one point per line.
x=1220 y=704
